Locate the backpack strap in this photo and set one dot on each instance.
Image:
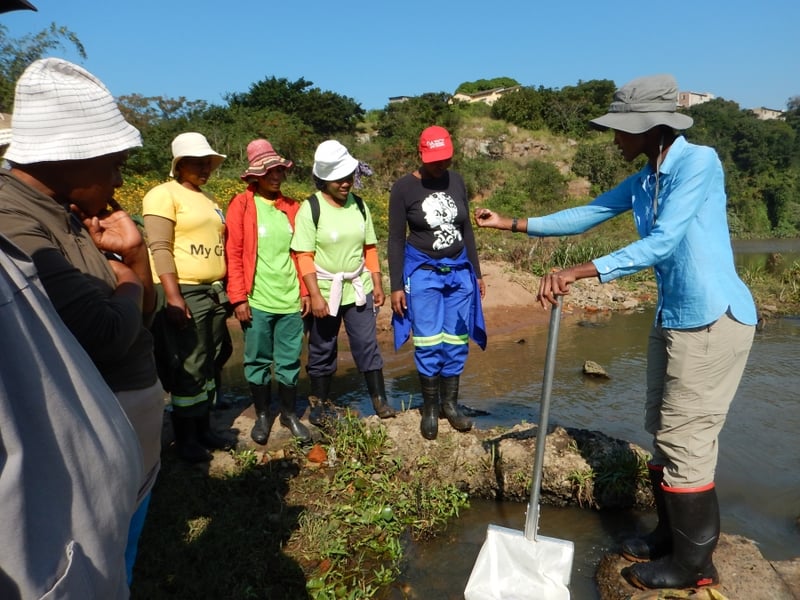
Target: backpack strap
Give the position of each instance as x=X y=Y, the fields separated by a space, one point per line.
x=360 y=204
x=314 y=203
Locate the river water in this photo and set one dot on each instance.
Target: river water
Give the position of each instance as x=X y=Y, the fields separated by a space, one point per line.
x=759 y=459
x=757 y=480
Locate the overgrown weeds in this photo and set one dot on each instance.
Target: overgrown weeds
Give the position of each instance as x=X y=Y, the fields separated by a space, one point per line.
x=362 y=508
x=282 y=530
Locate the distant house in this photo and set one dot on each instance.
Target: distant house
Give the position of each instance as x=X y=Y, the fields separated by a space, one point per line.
x=766 y=114
x=486 y=96
x=394 y=99
x=687 y=99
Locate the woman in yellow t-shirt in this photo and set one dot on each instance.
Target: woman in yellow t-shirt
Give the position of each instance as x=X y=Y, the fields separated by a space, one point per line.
x=185 y=230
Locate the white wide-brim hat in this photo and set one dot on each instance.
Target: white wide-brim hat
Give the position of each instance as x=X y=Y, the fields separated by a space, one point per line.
x=332 y=161
x=195 y=145
x=63 y=112
x=644 y=103
x=5 y=129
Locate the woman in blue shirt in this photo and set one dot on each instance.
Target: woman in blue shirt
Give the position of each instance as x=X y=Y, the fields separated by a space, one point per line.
x=704 y=324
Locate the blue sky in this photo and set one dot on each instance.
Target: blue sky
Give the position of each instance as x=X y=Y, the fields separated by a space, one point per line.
x=747 y=52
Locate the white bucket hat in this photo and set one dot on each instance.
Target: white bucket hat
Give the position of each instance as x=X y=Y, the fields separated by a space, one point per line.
x=644 y=103
x=332 y=161
x=63 y=112
x=5 y=129
x=195 y=145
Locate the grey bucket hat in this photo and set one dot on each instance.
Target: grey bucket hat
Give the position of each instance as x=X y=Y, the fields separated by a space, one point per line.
x=644 y=103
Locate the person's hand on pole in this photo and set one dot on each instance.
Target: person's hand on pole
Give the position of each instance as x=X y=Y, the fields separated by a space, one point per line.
x=557 y=283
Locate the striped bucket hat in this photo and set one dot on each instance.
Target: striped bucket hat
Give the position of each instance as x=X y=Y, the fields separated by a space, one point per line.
x=63 y=112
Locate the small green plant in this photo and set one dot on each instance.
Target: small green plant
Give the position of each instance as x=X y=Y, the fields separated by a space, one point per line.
x=583 y=487
x=620 y=473
x=350 y=533
x=245 y=459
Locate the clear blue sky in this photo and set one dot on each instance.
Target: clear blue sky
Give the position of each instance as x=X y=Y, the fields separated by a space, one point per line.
x=748 y=52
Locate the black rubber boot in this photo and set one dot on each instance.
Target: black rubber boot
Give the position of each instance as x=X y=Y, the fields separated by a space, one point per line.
x=448 y=389
x=694 y=523
x=377 y=391
x=658 y=542
x=208 y=437
x=186 y=441
x=429 y=423
x=287 y=397
x=262 y=426
x=318 y=399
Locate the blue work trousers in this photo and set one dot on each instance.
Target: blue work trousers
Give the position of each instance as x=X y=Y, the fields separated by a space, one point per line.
x=439 y=305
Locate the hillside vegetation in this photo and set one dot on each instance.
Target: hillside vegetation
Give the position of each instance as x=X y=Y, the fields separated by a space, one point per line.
x=530 y=153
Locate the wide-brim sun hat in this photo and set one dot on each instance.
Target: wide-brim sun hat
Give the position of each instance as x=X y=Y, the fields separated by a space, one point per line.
x=435 y=144
x=644 y=103
x=262 y=157
x=332 y=161
x=63 y=112
x=5 y=129
x=194 y=145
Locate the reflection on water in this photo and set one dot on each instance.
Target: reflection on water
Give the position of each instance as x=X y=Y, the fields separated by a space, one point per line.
x=757 y=476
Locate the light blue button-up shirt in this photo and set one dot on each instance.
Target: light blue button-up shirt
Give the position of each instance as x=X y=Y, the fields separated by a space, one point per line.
x=684 y=237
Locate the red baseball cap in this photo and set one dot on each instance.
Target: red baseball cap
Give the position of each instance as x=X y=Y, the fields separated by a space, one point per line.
x=435 y=144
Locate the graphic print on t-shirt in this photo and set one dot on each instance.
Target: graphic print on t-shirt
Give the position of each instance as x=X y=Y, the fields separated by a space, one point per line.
x=440 y=214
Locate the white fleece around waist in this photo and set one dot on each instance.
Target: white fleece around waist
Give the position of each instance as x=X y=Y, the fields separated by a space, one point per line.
x=337 y=283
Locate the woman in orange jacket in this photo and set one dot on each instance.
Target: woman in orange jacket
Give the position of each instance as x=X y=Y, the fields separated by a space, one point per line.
x=268 y=297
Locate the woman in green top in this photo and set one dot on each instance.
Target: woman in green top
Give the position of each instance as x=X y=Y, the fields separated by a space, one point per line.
x=264 y=287
x=338 y=260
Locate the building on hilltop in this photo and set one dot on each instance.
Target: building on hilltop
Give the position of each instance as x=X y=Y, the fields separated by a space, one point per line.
x=766 y=114
x=687 y=99
x=486 y=96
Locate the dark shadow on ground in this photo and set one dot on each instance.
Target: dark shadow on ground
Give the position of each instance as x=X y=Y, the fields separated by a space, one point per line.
x=219 y=537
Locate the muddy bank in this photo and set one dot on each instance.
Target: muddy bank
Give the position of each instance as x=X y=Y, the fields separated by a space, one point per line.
x=498 y=464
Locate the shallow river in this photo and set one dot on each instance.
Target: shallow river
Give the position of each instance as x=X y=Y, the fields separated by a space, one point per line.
x=759 y=460
x=757 y=476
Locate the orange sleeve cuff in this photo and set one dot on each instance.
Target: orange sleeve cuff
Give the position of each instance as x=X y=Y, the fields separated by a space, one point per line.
x=371 y=260
x=305 y=262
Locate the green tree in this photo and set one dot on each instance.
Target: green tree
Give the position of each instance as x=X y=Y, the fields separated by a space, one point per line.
x=569 y=110
x=599 y=161
x=524 y=108
x=144 y=112
x=480 y=85
x=400 y=124
x=17 y=53
x=327 y=113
